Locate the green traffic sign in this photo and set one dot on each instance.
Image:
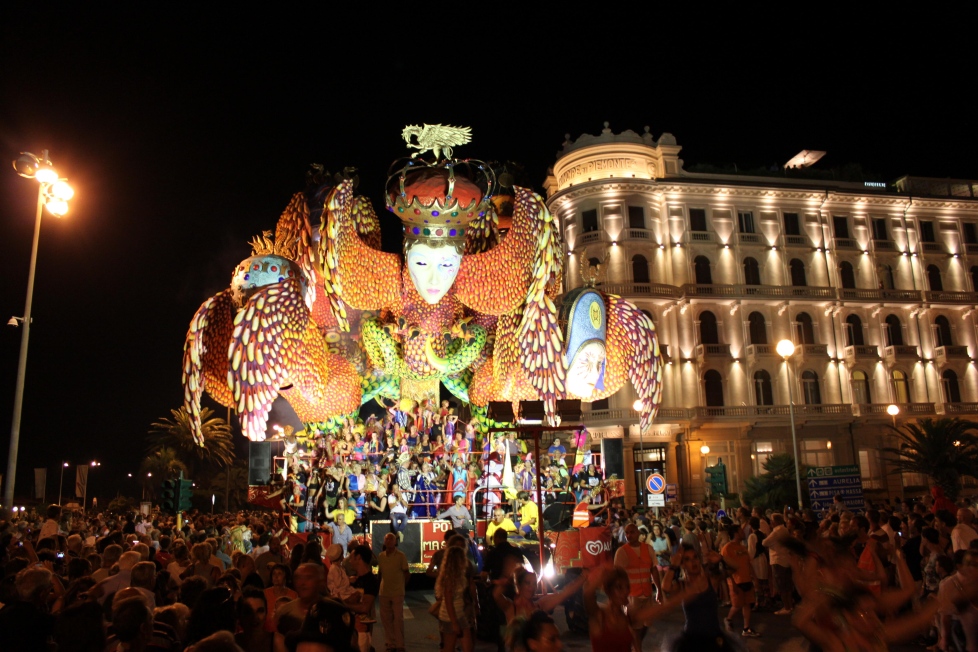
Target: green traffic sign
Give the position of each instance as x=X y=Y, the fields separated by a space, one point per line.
x=833 y=471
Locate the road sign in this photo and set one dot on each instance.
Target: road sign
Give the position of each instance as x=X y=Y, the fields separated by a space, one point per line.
x=656 y=500
x=720 y=514
x=656 y=483
x=672 y=493
x=827 y=482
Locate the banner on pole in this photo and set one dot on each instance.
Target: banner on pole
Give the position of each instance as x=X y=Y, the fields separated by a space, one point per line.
x=81 y=480
x=40 y=483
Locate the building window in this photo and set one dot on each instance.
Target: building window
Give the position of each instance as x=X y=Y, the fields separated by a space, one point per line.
x=934 y=279
x=636 y=217
x=797 y=273
x=869 y=468
x=763 y=392
x=949 y=384
x=762 y=451
x=841 y=225
x=600 y=405
x=752 y=273
x=854 y=331
x=926 y=231
x=901 y=387
x=816 y=452
x=860 y=388
x=697 y=219
x=757 y=328
x=745 y=219
x=894 y=331
x=886 y=277
x=879 y=228
x=640 y=269
x=701 y=265
x=970 y=233
x=810 y=389
x=804 y=329
x=791 y=226
x=974 y=279
x=846 y=275
x=589 y=220
x=942 y=331
x=713 y=388
x=709 y=333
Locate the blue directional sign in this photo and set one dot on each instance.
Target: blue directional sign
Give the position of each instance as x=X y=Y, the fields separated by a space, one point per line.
x=827 y=482
x=672 y=493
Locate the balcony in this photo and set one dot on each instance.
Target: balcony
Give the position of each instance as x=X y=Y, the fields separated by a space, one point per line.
x=950 y=297
x=715 y=290
x=845 y=243
x=771 y=411
x=704 y=352
x=591 y=237
x=651 y=290
x=793 y=241
x=751 y=239
x=700 y=237
x=673 y=414
x=768 y=291
x=971 y=248
x=879 y=409
x=810 y=351
x=637 y=234
x=944 y=353
x=862 y=353
x=756 y=351
x=899 y=296
x=884 y=245
x=932 y=248
x=900 y=352
x=961 y=408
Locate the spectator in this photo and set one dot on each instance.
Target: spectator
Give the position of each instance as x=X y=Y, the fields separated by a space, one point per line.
x=393 y=568
x=309 y=580
x=963 y=533
x=26 y=623
x=252 y=611
x=110 y=557
x=362 y=560
x=279 y=576
x=266 y=559
x=778 y=558
x=120 y=580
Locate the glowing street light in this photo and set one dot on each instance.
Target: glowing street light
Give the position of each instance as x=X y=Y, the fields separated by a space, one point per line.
x=53 y=193
x=786 y=348
x=61 y=485
x=893 y=411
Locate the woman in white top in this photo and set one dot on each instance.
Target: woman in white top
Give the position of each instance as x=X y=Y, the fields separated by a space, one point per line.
x=398 y=506
x=758 y=560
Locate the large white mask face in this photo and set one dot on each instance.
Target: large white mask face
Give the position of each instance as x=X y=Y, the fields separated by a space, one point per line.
x=433 y=270
x=585 y=370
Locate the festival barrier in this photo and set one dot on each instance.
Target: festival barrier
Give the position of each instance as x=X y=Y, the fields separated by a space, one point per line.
x=422 y=539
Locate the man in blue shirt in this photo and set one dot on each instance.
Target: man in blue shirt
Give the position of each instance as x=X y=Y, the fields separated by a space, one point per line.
x=556 y=450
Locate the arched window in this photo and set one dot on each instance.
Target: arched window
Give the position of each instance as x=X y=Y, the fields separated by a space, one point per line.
x=701 y=266
x=860 y=388
x=886 y=277
x=797 y=273
x=757 y=327
x=763 y=394
x=846 y=274
x=649 y=315
x=593 y=261
x=934 y=278
x=854 y=331
x=709 y=334
x=974 y=279
x=806 y=330
x=949 y=381
x=901 y=387
x=894 y=331
x=713 y=388
x=942 y=331
x=752 y=273
x=809 y=388
x=640 y=269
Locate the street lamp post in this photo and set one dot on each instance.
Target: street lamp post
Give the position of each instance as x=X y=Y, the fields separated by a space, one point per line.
x=893 y=411
x=53 y=193
x=85 y=489
x=61 y=485
x=637 y=406
x=786 y=348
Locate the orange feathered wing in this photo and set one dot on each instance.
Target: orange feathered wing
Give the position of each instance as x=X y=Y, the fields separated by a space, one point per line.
x=633 y=350
x=205 y=357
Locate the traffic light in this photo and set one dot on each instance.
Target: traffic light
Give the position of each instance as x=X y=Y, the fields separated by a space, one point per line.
x=717 y=478
x=185 y=493
x=171 y=495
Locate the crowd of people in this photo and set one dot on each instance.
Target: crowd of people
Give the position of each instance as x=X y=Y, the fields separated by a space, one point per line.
x=422 y=463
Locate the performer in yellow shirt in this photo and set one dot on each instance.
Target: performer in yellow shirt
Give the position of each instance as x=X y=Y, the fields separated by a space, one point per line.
x=529 y=514
x=499 y=522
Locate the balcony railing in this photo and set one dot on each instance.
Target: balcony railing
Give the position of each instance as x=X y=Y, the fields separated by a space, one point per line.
x=675 y=414
x=959 y=408
x=803 y=351
x=845 y=243
x=901 y=352
x=944 y=353
x=879 y=409
x=917 y=408
x=755 y=351
x=858 y=294
x=700 y=237
x=590 y=237
x=971 y=248
x=884 y=245
x=932 y=247
x=797 y=241
x=950 y=297
x=655 y=290
x=750 y=239
x=636 y=234
x=712 y=352
x=772 y=291
x=779 y=411
x=862 y=352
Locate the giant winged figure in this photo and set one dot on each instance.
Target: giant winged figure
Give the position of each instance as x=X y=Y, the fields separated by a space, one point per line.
x=467 y=307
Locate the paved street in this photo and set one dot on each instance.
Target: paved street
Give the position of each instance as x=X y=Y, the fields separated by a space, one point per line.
x=421 y=631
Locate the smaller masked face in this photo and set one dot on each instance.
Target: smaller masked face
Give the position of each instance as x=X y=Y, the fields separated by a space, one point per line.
x=433 y=270
x=586 y=369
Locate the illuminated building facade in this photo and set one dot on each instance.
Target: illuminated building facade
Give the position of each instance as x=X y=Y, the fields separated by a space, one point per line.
x=876 y=284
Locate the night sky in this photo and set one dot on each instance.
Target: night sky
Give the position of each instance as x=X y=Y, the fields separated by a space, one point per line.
x=184 y=136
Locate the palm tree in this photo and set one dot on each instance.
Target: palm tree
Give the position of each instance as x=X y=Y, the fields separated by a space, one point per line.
x=159 y=466
x=176 y=433
x=777 y=486
x=231 y=486
x=943 y=449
